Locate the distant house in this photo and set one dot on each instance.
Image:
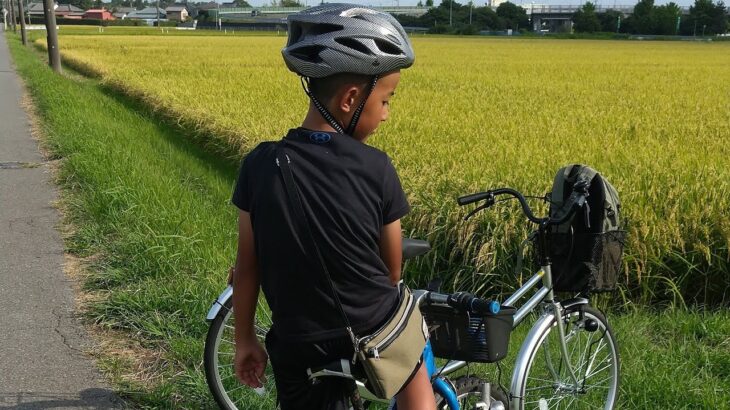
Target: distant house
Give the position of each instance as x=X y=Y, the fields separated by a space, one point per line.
x=69 y=11
x=122 y=12
x=208 y=6
x=98 y=14
x=147 y=13
x=35 y=10
x=177 y=12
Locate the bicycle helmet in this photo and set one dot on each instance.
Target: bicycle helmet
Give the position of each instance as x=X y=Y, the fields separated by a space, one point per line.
x=341 y=38
x=345 y=38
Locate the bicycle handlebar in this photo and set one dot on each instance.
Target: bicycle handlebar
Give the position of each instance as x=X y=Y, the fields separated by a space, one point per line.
x=465 y=301
x=577 y=200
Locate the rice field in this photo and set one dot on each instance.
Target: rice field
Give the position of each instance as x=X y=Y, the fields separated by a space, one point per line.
x=478 y=113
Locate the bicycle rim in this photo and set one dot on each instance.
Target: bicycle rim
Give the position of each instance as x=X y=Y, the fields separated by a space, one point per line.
x=228 y=392
x=594 y=356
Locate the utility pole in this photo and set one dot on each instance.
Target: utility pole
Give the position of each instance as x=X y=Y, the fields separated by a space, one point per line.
x=22 y=22
x=54 y=56
x=451 y=12
x=158 y=13
x=471 y=7
x=12 y=17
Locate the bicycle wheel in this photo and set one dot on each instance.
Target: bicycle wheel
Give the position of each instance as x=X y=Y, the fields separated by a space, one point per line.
x=592 y=351
x=468 y=392
x=227 y=391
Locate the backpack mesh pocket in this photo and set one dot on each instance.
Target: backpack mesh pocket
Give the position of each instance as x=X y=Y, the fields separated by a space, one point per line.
x=586 y=262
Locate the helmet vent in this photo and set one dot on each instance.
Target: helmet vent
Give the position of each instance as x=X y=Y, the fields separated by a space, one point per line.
x=353 y=44
x=323 y=28
x=388 y=48
x=308 y=53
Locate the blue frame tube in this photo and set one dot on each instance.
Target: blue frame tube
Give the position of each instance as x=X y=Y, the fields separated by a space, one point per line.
x=440 y=385
x=443 y=388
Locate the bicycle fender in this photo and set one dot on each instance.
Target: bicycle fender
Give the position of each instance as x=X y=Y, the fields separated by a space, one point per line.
x=218 y=303
x=567 y=304
x=532 y=339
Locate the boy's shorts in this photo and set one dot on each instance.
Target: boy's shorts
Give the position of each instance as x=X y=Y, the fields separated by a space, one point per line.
x=290 y=361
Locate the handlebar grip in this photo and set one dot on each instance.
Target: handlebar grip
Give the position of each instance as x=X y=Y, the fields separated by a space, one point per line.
x=484 y=307
x=469 y=199
x=467 y=301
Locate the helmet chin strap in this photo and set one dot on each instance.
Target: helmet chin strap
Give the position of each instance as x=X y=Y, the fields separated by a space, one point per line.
x=329 y=117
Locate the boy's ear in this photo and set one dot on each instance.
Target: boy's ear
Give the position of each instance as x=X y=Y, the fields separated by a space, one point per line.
x=349 y=99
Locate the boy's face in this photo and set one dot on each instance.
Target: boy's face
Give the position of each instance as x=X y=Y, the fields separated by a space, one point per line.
x=377 y=107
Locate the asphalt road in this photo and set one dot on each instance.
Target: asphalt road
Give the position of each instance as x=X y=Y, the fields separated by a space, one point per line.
x=42 y=364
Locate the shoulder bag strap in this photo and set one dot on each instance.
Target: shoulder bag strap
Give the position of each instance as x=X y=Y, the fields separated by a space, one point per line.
x=283 y=162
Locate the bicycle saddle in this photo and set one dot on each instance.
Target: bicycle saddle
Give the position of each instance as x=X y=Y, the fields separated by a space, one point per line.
x=414 y=247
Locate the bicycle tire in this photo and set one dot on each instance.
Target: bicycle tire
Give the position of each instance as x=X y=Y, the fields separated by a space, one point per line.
x=467 y=386
x=543 y=388
x=228 y=393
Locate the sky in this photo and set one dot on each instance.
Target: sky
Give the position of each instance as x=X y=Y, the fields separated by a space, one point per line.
x=481 y=2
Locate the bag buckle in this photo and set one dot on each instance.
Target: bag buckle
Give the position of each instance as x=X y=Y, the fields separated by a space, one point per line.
x=355 y=344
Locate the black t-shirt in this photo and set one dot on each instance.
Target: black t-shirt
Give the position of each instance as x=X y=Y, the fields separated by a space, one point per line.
x=349 y=191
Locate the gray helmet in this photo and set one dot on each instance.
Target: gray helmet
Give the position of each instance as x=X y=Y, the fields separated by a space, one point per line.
x=345 y=38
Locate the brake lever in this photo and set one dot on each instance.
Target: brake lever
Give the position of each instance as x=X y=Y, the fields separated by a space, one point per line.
x=474 y=212
x=489 y=201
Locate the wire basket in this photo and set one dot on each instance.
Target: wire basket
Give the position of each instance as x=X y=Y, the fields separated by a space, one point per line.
x=457 y=335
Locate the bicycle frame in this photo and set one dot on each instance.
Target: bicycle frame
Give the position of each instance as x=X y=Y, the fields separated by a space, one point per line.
x=545 y=296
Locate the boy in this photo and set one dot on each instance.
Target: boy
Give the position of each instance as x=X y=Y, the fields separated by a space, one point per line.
x=349 y=58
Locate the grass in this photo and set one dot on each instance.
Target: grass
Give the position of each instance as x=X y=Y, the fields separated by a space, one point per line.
x=476 y=113
x=150 y=213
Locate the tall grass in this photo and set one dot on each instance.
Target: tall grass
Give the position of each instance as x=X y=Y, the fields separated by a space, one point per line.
x=474 y=114
x=153 y=210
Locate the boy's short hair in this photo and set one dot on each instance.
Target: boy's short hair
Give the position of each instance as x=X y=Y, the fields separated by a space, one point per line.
x=326 y=88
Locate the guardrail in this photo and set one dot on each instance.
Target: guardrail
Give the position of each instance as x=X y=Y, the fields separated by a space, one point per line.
x=414 y=10
x=290 y=10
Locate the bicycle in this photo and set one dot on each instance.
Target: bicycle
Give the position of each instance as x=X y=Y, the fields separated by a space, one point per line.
x=569 y=358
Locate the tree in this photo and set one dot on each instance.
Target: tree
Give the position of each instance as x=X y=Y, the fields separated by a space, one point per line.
x=609 y=20
x=138 y=4
x=585 y=19
x=290 y=3
x=665 y=19
x=706 y=16
x=643 y=17
x=419 y=4
x=429 y=3
x=515 y=16
x=82 y=4
x=241 y=3
x=486 y=18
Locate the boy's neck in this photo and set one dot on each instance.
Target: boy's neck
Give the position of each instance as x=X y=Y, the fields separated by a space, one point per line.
x=315 y=122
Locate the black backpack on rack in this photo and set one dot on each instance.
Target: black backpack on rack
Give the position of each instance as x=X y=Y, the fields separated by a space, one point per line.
x=586 y=250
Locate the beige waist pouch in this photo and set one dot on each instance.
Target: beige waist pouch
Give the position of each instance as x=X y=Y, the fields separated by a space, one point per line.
x=391 y=354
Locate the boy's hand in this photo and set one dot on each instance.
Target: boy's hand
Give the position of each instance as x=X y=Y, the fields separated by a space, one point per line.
x=250 y=362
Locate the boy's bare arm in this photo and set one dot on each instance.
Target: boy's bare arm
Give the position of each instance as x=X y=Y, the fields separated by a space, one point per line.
x=245 y=280
x=391 y=249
